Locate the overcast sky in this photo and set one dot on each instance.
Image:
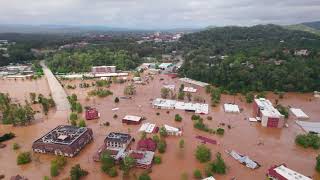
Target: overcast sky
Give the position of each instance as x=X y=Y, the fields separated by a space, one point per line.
x=158 y=13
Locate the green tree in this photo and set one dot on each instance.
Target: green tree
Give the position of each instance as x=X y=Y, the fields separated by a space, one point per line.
x=162 y=145
x=203 y=154
x=197 y=174
x=249 y=97
x=163 y=132
x=165 y=93
x=24 y=158
x=181 y=143
x=73 y=116
x=116 y=100
x=144 y=176
x=77 y=172
x=177 y=118
x=218 y=166
x=130 y=90
x=157 y=160
x=82 y=123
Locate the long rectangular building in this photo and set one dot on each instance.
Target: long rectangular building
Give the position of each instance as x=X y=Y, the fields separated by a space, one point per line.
x=281 y=172
x=172 y=104
x=64 y=140
x=270 y=116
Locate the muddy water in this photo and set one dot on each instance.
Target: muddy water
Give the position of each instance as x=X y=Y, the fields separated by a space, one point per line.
x=267 y=146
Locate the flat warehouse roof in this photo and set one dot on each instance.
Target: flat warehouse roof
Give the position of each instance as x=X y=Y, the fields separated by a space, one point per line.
x=290 y=174
x=167 y=103
x=231 y=108
x=299 y=113
x=309 y=126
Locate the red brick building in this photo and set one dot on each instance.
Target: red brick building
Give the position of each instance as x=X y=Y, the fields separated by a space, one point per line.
x=91 y=114
x=147 y=145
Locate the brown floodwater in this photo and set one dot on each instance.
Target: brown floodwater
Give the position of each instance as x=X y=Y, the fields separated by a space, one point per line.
x=266 y=146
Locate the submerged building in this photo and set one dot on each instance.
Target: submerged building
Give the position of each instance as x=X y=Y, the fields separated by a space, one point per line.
x=281 y=172
x=64 y=140
x=270 y=116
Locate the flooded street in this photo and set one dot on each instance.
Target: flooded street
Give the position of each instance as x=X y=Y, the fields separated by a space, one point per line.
x=266 y=146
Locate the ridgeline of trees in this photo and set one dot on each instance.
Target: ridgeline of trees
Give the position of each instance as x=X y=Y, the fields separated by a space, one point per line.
x=257 y=58
x=82 y=60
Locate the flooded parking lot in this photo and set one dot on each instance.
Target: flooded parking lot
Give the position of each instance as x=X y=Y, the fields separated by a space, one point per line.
x=264 y=145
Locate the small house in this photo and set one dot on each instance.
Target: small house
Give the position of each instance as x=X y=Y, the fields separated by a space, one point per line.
x=173 y=131
x=92 y=113
x=129 y=119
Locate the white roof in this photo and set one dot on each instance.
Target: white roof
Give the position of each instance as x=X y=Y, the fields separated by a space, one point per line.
x=132 y=118
x=290 y=174
x=189 y=89
x=165 y=65
x=253 y=119
x=233 y=108
x=169 y=86
x=267 y=108
x=147 y=127
x=171 y=129
x=191 y=81
x=299 y=113
x=209 y=178
x=167 y=103
x=309 y=126
x=110 y=74
x=103 y=66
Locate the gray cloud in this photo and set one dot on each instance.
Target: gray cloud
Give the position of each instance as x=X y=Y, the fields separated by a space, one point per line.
x=158 y=14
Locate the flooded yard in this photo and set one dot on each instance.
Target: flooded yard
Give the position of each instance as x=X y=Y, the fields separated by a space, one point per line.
x=264 y=145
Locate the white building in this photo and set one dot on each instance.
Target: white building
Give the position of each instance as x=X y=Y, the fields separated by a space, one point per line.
x=231 y=108
x=299 y=113
x=172 y=104
x=147 y=127
x=270 y=116
x=191 y=81
x=209 y=178
x=165 y=66
x=173 y=131
x=189 y=89
x=281 y=172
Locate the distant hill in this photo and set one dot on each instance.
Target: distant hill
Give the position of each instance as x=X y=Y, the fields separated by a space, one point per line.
x=312 y=27
x=257 y=58
x=315 y=25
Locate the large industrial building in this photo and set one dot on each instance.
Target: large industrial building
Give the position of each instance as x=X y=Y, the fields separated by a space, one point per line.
x=172 y=104
x=270 y=116
x=281 y=172
x=64 y=140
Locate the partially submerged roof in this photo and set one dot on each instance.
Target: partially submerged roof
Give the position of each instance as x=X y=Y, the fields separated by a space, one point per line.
x=299 y=113
x=233 y=108
x=171 y=104
x=191 y=81
x=282 y=172
x=309 y=126
x=267 y=109
x=209 y=178
x=132 y=118
x=63 y=134
x=147 y=127
x=118 y=137
x=171 y=129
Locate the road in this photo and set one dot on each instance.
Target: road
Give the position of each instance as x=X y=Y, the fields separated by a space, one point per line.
x=58 y=93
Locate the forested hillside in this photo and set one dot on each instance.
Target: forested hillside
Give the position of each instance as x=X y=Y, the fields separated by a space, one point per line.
x=253 y=58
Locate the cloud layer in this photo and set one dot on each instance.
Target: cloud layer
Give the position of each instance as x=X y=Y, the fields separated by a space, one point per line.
x=158 y=14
